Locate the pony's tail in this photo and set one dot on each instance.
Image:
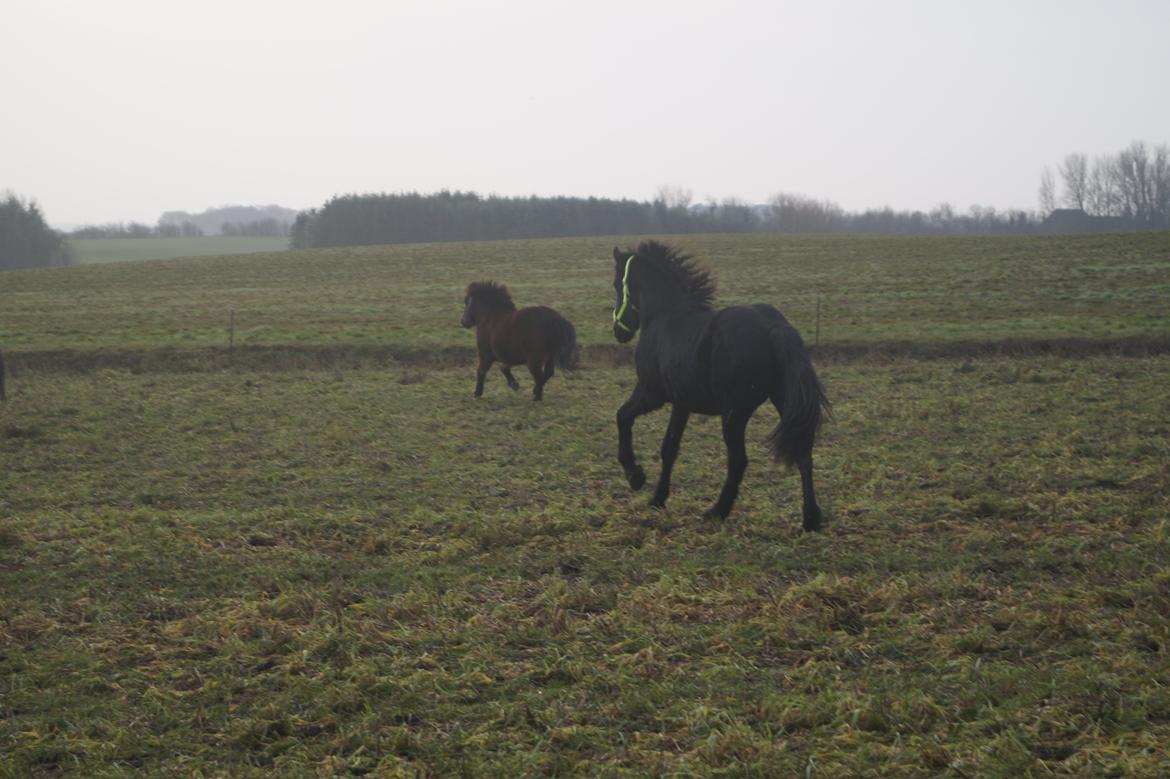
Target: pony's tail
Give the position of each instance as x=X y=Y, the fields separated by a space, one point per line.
x=565 y=357
x=803 y=401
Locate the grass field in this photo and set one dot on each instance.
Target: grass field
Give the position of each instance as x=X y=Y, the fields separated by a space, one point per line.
x=917 y=290
x=319 y=555
x=89 y=251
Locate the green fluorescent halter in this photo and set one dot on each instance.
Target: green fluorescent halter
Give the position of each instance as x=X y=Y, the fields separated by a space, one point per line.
x=621 y=312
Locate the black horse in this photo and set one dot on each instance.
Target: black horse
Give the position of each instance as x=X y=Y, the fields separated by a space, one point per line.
x=724 y=362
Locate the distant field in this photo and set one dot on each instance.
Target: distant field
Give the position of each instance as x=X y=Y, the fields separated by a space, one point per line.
x=871 y=290
x=99 y=250
x=319 y=555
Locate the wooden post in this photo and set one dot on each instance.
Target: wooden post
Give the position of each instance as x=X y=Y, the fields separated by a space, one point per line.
x=818 y=339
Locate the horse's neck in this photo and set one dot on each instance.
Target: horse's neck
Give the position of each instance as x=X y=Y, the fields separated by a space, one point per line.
x=677 y=313
x=497 y=315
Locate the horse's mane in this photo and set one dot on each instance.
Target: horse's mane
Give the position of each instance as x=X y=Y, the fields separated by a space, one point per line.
x=678 y=269
x=491 y=294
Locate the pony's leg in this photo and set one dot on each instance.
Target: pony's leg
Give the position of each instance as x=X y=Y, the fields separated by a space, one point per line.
x=734 y=427
x=538 y=378
x=481 y=373
x=507 y=371
x=638 y=404
x=811 y=511
x=670 y=444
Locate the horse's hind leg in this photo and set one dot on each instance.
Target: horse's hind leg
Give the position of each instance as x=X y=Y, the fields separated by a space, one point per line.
x=811 y=511
x=734 y=427
x=670 y=444
x=512 y=383
x=539 y=377
x=549 y=369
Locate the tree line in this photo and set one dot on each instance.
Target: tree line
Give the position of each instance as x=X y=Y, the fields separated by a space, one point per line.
x=257 y=227
x=355 y=220
x=137 y=230
x=1130 y=188
x=26 y=240
x=236 y=220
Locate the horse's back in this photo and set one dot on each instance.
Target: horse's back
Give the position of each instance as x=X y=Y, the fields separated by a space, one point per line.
x=535 y=317
x=540 y=330
x=742 y=335
x=741 y=354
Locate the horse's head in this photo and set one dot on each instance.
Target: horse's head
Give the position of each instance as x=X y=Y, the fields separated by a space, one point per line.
x=468 y=319
x=482 y=300
x=625 y=311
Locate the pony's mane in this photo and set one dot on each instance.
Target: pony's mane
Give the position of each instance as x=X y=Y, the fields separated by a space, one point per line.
x=696 y=282
x=491 y=294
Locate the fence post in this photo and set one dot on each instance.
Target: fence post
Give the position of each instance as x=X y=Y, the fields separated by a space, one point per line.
x=818 y=339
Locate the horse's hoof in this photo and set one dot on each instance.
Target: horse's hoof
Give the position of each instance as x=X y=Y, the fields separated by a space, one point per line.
x=657 y=502
x=715 y=513
x=636 y=478
x=812 y=521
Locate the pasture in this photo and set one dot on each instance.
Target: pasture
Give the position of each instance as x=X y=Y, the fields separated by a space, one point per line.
x=318 y=554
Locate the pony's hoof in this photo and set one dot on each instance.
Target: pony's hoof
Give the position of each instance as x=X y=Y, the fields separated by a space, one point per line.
x=716 y=513
x=657 y=502
x=636 y=477
x=812 y=521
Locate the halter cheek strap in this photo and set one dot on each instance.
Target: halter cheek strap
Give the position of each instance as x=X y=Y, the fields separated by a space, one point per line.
x=626 y=303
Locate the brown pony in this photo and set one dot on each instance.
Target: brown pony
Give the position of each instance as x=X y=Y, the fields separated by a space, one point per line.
x=536 y=336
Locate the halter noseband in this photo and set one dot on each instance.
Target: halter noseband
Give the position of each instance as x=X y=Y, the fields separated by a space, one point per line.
x=621 y=312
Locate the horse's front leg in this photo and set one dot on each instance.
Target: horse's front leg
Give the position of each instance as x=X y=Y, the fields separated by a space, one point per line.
x=640 y=403
x=670 y=444
x=485 y=362
x=734 y=427
x=512 y=383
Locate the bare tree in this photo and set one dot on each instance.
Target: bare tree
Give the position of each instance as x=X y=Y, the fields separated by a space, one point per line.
x=1160 y=178
x=791 y=213
x=1101 y=195
x=1074 y=173
x=1132 y=167
x=674 y=196
x=1047 y=192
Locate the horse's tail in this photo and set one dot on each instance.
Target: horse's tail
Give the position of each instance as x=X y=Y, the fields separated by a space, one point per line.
x=803 y=401
x=565 y=355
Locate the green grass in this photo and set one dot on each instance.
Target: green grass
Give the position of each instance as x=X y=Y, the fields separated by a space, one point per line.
x=366 y=571
x=295 y=572
x=917 y=290
x=89 y=251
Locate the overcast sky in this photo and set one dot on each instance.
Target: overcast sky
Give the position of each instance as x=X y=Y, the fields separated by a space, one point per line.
x=119 y=110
